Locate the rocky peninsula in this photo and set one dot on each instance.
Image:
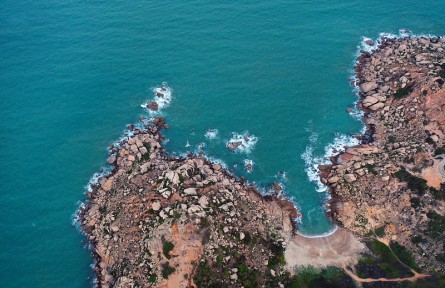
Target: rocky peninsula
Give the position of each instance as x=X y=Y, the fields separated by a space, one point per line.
x=181 y=222
x=163 y=221
x=391 y=185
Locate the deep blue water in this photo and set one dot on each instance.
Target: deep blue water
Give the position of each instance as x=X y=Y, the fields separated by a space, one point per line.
x=73 y=74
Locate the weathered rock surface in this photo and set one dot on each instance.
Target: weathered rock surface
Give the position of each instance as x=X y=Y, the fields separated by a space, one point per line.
x=191 y=204
x=391 y=179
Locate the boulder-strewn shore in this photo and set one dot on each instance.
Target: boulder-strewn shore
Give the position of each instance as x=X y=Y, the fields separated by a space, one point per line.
x=391 y=185
x=180 y=222
x=162 y=221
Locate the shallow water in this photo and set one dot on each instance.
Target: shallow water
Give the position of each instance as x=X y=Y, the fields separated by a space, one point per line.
x=73 y=74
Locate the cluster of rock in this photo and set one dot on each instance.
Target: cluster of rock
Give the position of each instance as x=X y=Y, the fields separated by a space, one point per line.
x=155 y=219
x=402 y=93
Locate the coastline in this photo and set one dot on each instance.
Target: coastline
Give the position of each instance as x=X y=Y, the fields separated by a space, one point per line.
x=399 y=87
x=122 y=162
x=179 y=194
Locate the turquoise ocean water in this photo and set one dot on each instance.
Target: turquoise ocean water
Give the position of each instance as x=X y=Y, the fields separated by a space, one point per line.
x=73 y=74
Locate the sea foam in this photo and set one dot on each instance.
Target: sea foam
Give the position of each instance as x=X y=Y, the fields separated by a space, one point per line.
x=162 y=95
x=312 y=161
x=246 y=142
x=211 y=134
x=329 y=233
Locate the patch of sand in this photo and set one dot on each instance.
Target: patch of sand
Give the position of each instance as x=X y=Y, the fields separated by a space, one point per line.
x=339 y=249
x=187 y=250
x=432 y=176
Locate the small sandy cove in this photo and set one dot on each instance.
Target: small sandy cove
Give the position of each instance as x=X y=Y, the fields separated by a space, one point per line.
x=338 y=249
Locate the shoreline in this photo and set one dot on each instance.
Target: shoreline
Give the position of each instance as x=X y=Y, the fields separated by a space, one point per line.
x=167 y=199
x=327 y=234
x=90 y=216
x=399 y=81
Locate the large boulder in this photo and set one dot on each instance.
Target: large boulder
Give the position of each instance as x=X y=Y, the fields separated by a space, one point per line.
x=190 y=192
x=203 y=201
x=156 y=206
x=369 y=86
x=370 y=100
x=350 y=177
x=107 y=185
x=173 y=177
x=377 y=106
x=111 y=159
x=143 y=150
x=144 y=167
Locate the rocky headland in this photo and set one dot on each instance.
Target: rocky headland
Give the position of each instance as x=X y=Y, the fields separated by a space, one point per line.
x=163 y=221
x=391 y=185
x=182 y=222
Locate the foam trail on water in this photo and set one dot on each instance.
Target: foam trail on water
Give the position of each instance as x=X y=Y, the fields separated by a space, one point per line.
x=211 y=134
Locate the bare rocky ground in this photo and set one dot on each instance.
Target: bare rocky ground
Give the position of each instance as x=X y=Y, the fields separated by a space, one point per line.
x=392 y=183
x=181 y=222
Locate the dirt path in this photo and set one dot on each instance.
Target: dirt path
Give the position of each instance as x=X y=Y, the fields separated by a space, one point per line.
x=367 y=280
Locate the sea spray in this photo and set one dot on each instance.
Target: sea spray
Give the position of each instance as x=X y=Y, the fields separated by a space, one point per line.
x=162 y=97
x=242 y=142
x=329 y=233
x=211 y=134
x=312 y=161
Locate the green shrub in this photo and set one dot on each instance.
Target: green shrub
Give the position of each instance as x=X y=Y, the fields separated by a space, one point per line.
x=380 y=232
x=416 y=184
x=416 y=239
x=404 y=255
x=438 y=194
x=329 y=277
x=442 y=71
x=167 y=270
x=247 y=277
x=152 y=278
x=415 y=202
x=403 y=92
x=436 y=225
x=168 y=246
x=219 y=260
x=441 y=257
x=278 y=255
x=371 y=169
x=439 y=151
x=206 y=277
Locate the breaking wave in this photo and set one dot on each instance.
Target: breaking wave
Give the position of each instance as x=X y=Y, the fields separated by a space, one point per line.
x=248 y=164
x=312 y=161
x=211 y=134
x=242 y=142
x=161 y=99
x=329 y=233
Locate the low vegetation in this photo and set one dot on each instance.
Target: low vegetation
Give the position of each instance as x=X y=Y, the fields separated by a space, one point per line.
x=381 y=263
x=436 y=225
x=404 y=255
x=416 y=184
x=168 y=246
x=403 y=92
x=167 y=270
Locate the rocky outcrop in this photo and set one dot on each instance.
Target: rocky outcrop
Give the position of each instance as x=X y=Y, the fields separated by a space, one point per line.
x=385 y=182
x=155 y=219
